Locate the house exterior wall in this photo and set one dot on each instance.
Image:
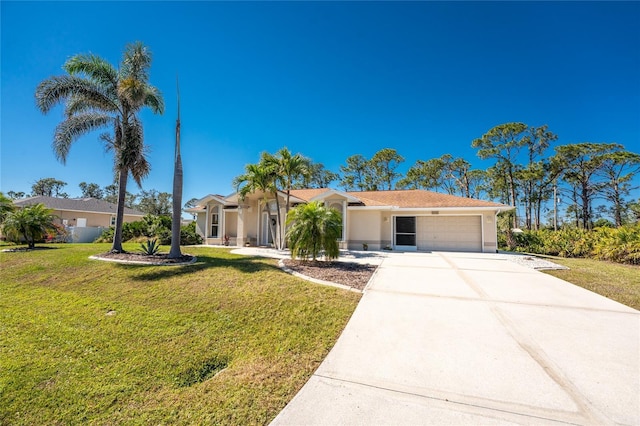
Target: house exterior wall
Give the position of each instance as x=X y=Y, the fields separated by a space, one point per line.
x=93 y=219
x=201 y=225
x=375 y=227
x=369 y=225
x=364 y=227
x=231 y=223
x=490 y=232
x=487 y=221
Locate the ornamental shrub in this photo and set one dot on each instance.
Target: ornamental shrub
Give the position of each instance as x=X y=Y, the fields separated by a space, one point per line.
x=621 y=245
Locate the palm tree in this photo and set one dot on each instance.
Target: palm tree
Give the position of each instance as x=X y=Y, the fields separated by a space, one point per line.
x=287 y=169
x=6 y=207
x=314 y=229
x=174 y=252
x=260 y=177
x=97 y=95
x=30 y=222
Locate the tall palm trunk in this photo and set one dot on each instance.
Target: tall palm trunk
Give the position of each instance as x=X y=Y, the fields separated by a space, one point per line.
x=177 y=194
x=122 y=194
x=278 y=237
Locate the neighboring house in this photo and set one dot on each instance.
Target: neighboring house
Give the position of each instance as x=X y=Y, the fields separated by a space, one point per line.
x=84 y=218
x=400 y=220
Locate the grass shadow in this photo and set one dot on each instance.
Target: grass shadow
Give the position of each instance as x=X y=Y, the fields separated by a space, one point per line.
x=243 y=264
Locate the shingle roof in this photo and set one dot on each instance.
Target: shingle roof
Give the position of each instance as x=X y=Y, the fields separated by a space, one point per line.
x=76 y=204
x=307 y=194
x=418 y=198
x=408 y=198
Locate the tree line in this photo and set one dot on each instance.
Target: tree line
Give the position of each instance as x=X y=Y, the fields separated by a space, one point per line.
x=523 y=174
x=150 y=201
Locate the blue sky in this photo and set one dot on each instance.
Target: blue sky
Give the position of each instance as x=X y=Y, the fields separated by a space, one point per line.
x=326 y=79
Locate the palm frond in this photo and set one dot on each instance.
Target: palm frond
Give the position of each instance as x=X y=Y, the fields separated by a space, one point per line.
x=136 y=61
x=154 y=100
x=57 y=89
x=94 y=67
x=69 y=130
x=79 y=103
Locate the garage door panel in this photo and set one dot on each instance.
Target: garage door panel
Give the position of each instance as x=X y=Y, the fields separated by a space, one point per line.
x=451 y=233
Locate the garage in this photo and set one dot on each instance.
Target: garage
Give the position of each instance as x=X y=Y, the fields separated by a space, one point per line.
x=449 y=233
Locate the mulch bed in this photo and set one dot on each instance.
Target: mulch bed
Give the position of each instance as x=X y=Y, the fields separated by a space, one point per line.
x=355 y=275
x=162 y=258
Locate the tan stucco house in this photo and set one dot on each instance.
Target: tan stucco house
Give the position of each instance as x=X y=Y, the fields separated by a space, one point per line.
x=400 y=220
x=84 y=218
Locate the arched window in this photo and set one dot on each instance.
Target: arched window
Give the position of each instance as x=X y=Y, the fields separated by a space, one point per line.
x=337 y=206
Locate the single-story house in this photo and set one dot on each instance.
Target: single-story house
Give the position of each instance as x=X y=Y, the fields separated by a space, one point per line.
x=398 y=219
x=84 y=218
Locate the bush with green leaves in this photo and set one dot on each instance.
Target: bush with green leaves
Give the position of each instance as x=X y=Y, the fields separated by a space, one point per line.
x=621 y=245
x=153 y=227
x=314 y=230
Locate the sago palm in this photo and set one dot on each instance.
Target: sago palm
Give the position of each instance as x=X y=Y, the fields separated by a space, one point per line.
x=31 y=223
x=6 y=207
x=96 y=96
x=314 y=230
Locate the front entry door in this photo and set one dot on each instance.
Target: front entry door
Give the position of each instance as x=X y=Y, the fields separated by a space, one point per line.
x=265 y=234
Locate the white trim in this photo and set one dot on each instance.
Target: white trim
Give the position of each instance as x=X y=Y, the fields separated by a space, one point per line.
x=207 y=199
x=206 y=223
x=385 y=208
x=330 y=192
x=427 y=210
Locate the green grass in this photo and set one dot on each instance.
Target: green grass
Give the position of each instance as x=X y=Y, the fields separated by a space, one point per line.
x=228 y=340
x=615 y=281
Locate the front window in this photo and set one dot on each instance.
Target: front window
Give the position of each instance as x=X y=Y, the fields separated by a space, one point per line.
x=113 y=221
x=215 y=222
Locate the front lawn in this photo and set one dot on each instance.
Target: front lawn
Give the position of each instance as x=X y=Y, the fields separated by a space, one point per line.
x=227 y=340
x=615 y=281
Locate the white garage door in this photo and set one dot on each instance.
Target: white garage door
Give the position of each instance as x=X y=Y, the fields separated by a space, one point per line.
x=449 y=233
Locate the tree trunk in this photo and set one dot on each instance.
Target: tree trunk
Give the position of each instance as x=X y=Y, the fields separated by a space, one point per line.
x=512 y=189
x=122 y=193
x=617 y=205
x=176 y=217
x=177 y=210
x=279 y=236
x=586 y=208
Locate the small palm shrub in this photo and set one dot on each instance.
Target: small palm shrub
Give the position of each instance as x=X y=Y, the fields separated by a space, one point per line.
x=621 y=245
x=31 y=224
x=151 y=247
x=314 y=230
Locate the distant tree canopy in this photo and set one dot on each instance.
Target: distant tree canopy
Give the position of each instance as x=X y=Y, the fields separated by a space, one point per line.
x=49 y=187
x=155 y=203
x=91 y=190
x=375 y=174
x=592 y=180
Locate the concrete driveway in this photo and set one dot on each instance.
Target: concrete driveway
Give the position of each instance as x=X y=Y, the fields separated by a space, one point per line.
x=469 y=338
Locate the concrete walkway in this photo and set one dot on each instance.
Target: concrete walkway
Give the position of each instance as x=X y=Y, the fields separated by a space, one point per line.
x=462 y=338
